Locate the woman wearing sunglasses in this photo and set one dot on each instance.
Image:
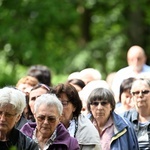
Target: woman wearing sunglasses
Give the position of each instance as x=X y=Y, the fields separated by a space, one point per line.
x=115 y=132
x=47 y=131
x=140 y=116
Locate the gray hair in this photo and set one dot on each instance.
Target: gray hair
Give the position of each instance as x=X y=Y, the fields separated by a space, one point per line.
x=49 y=100
x=10 y=95
x=146 y=80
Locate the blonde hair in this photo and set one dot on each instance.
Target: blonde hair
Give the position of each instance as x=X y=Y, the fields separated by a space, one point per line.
x=28 y=80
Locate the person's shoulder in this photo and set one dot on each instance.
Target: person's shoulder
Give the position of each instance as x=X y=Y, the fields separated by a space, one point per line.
x=122 y=70
x=86 y=126
x=28 y=143
x=84 y=122
x=129 y=112
x=28 y=125
x=146 y=67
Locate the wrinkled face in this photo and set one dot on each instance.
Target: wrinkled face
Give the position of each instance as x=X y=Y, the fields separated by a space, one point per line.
x=141 y=95
x=126 y=100
x=101 y=111
x=8 y=118
x=68 y=109
x=33 y=95
x=47 y=119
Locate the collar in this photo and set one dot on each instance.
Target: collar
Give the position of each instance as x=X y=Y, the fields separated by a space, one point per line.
x=49 y=141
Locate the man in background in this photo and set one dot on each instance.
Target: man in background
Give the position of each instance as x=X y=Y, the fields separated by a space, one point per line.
x=136 y=59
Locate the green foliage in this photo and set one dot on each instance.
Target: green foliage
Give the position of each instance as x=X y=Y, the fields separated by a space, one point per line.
x=13 y=148
x=69 y=35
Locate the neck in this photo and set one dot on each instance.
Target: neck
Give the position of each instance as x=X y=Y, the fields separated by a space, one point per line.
x=41 y=140
x=144 y=117
x=3 y=136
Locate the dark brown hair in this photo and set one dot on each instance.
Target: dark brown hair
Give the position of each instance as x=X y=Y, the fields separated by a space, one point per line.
x=72 y=95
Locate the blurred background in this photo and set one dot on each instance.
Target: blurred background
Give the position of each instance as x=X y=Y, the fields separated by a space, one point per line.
x=70 y=35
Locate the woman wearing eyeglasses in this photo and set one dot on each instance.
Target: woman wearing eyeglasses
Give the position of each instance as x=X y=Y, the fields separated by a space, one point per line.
x=12 y=104
x=140 y=116
x=47 y=131
x=116 y=133
x=78 y=125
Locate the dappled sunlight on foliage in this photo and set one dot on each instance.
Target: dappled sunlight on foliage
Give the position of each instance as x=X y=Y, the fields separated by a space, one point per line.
x=69 y=35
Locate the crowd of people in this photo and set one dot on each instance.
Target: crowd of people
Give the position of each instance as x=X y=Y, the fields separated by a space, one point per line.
x=83 y=113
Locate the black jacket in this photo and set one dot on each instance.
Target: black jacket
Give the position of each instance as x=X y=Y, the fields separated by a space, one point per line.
x=19 y=141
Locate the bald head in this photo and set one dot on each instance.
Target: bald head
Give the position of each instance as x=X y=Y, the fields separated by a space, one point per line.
x=136 y=58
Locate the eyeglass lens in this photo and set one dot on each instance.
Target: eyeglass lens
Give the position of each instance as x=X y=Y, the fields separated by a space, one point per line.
x=49 y=118
x=103 y=103
x=144 y=92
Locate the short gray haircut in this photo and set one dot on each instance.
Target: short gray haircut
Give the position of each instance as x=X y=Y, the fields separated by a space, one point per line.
x=50 y=100
x=10 y=95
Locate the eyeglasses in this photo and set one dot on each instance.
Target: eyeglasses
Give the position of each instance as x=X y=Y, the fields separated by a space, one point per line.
x=50 y=119
x=65 y=103
x=143 y=92
x=103 y=103
x=6 y=114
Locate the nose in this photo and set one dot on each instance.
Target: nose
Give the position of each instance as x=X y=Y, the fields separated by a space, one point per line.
x=46 y=121
x=141 y=94
x=2 y=117
x=99 y=106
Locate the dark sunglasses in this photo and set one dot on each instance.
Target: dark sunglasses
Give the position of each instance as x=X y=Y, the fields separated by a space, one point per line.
x=143 y=92
x=103 y=103
x=50 y=119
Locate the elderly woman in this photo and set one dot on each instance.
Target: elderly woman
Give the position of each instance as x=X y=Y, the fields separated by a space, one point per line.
x=78 y=125
x=48 y=132
x=12 y=104
x=140 y=116
x=115 y=132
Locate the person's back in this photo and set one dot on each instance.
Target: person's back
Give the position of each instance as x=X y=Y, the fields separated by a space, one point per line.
x=42 y=73
x=89 y=74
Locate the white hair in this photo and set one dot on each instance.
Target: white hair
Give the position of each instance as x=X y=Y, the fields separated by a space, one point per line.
x=49 y=100
x=94 y=73
x=10 y=95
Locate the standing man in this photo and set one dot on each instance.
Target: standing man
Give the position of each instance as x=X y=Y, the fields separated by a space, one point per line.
x=136 y=59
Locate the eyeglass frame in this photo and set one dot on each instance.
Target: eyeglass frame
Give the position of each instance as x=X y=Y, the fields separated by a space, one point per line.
x=143 y=92
x=65 y=102
x=96 y=103
x=7 y=115
x=50 y=119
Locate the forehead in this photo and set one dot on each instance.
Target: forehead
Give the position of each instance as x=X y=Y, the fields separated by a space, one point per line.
x=47 y=110
x=63 y=96
x=136 y=53
x=38 y=92
x=7 y=107
x=139 y=84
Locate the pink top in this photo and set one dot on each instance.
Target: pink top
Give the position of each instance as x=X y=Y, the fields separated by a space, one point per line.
x=106 y=134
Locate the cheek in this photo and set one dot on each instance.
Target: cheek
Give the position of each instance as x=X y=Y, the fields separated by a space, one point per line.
x=93 y=110
x=123 y=98
x=67 y=113
x=31 y=104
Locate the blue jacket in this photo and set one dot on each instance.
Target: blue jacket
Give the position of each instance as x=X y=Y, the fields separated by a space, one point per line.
x=124 y=137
